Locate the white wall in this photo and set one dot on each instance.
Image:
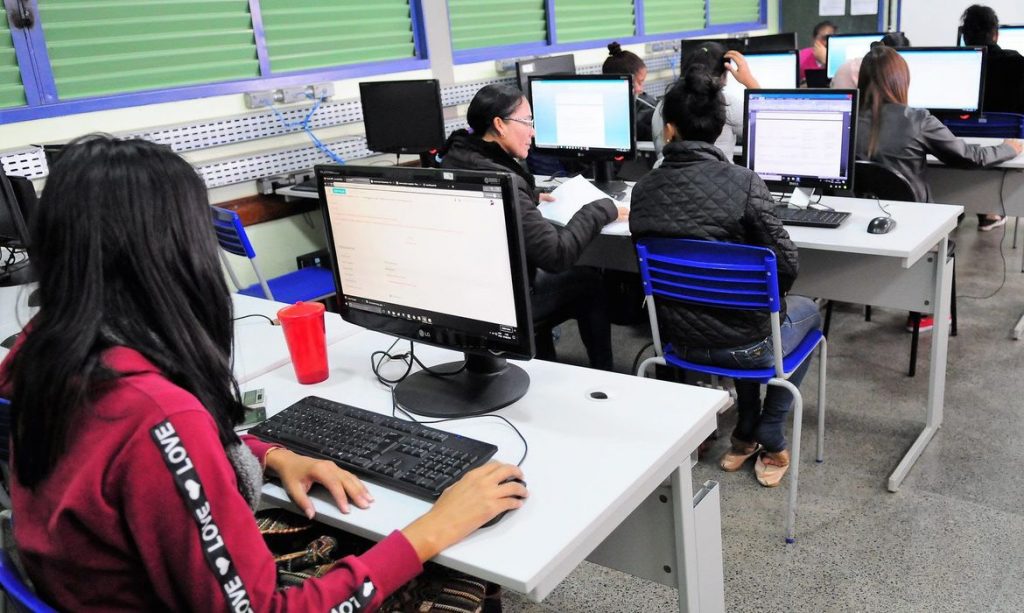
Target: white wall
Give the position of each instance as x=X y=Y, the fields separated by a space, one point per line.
x=933 y=23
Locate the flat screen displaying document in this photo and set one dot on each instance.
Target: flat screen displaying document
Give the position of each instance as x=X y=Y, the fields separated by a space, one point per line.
x=843 y=47
x=946 y=80
x=583 y=113
x=775 y=70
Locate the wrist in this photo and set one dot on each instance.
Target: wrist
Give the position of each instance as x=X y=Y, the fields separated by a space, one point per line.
x=273 y=459
x=425 y=539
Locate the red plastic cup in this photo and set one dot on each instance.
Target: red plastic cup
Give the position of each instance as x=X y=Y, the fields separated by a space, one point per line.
x=304 y=331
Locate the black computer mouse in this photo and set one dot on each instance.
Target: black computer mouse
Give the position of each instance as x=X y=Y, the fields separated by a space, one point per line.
x=881 y=225
x=501 y=515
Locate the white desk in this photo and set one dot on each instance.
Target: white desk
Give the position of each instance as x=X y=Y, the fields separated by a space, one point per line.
x=14 y=311
x=260 y=346
x=591 y=464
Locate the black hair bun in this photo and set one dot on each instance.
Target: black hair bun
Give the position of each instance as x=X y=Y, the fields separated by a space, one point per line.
x=614 y=48
x=703 y=88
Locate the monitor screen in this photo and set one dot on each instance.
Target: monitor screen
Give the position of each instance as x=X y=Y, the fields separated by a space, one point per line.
x=801 y=137
x=402 y=116
x=589 y=116
x=783 y=41
x=843 y=47
x=1010 y=37
x=555 y=64
x=434 y=256
x=775 y=70
x=934 y=69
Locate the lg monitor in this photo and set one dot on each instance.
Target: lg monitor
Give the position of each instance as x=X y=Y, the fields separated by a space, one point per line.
x=403 y=116
x=435 y=256
x=591 y=117
x=783 y=41
x=948 y=81
x=1010 y=37
x=775 y=70
x=801 y=138
x=731 y=44
x=555 y=64
x=843 y=47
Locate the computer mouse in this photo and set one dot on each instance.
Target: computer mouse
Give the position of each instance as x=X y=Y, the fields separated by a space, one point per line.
x=501 y=515
x=881 y=225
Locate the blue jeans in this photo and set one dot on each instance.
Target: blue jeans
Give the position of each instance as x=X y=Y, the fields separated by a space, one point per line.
x=764 y=422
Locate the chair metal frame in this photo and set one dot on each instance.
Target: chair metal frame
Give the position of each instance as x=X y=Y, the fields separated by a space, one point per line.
x=731 y=276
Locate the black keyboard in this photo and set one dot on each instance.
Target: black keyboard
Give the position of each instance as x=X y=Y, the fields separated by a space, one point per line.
x=810 y=217
x=399 y=454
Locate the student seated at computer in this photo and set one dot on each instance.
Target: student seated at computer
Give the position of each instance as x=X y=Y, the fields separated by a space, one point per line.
x=130 y=488
x=901 y=137
x=627 y=62
x=848 y=73
x=1004 y=75
x=718 y=62
x=501 y=130
x=813 y=57
x=697 y=193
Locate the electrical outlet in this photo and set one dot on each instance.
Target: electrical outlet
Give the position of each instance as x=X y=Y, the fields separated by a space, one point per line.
x=322 y=91
x=255 y=100
x=505 y=66
x=292 y=94
x=660 y=46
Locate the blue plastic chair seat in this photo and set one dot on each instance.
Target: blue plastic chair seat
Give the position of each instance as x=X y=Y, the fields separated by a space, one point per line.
x=310 y=283
x=790 y=362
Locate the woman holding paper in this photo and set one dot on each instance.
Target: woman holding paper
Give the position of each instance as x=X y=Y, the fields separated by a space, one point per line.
x=501 y=130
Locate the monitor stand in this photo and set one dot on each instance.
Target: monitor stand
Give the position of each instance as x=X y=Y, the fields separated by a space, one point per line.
x=801 y=196
x=487 y=383
x=602 y=180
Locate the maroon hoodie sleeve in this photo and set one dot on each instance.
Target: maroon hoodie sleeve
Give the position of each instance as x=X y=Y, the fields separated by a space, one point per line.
x=200 y=545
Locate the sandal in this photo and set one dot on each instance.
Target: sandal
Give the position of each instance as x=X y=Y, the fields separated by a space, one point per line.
x=738 y=454
x=771 y=467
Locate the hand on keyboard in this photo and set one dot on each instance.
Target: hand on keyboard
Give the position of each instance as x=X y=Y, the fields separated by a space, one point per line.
x=298 y=473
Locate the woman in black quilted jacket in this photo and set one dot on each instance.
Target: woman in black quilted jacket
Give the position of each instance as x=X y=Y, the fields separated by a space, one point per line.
x=697 y=193
x=501 y=130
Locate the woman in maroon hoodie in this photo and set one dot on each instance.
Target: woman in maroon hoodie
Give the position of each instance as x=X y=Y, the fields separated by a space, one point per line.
x=130 y=489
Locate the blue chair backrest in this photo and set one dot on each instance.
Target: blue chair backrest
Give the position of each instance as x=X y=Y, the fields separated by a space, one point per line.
x=710 y=274
x=230 y=232
x=17 y=591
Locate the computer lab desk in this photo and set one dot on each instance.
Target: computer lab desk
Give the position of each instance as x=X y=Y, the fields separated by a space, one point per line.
x=898 y=270
x=596 y=471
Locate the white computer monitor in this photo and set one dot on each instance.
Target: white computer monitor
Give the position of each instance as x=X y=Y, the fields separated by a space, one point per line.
x=1012 y=37
x=843 y=47
x=775 y=70
x=946 y=80
x=801 y=138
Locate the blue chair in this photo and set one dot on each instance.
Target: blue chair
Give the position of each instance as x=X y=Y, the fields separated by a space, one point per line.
x=16 y=590
x=310 y=283
x=730 y=276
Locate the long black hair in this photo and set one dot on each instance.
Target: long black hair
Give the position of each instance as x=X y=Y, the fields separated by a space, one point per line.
x=495 y=100
x=695 y=105
x=125 y=255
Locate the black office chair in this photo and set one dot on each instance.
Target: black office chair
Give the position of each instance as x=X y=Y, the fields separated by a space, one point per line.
x=873 y=180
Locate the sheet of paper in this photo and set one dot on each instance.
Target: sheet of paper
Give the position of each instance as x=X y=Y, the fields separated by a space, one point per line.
x=863 y=7
x=570 y=197
x=831 y=7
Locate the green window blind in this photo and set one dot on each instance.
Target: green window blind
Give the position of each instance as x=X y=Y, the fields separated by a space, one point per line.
x=486 y=23
x=12 y=93
x=733 y=11
x=582 y=20
x=663 y=16
x=307 y=34
x=117 y=46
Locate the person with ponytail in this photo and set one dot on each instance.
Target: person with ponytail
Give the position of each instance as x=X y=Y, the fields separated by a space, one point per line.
x=715 y=60
x=627 y=62
x=697 y=193
x=499 y=136
x=900 y=137
x=130 y=487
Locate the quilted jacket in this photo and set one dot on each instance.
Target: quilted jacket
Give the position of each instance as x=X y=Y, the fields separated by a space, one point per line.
x=697 y=194
x=549 y=247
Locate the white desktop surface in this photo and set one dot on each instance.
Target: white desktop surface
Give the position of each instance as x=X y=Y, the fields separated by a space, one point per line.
x=590 y=462
x=1015 y=163
x=260 y=346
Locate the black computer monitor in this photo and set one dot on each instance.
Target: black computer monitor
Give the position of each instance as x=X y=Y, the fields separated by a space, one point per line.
x=801 y=138
x=775 y=69
x=783 y=41
x=731 y=44
x=403 y=116
x=16 y=197
x=843 y=47
x=591 y=117
x=435 y=256
x=1010 y=37
x=540 y=66
x=948 y=81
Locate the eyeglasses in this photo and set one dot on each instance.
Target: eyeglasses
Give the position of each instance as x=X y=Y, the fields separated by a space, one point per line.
x=526 y=121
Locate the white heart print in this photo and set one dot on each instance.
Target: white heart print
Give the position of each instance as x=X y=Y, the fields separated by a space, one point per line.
x=223 y=565
x=193 y=489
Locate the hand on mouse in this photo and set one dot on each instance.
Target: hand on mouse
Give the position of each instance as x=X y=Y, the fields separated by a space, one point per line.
x=1016 y=143
x=471 y=502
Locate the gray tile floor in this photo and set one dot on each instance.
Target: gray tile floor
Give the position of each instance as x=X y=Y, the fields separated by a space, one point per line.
x=952 y=539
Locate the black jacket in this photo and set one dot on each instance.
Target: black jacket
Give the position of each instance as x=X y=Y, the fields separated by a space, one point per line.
x=697 y=193
x=1004 y=81
x=549 y=247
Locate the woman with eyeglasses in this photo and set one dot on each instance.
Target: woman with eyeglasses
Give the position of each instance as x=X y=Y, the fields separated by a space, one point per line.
x=501 y=130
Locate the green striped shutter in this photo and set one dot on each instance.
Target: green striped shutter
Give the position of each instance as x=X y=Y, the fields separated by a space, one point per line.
x=12 y=93
x=585 y=20
x=665 y=16
x=487 y=23
x=733 y=11
x=118 y=46
x=307 y=34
